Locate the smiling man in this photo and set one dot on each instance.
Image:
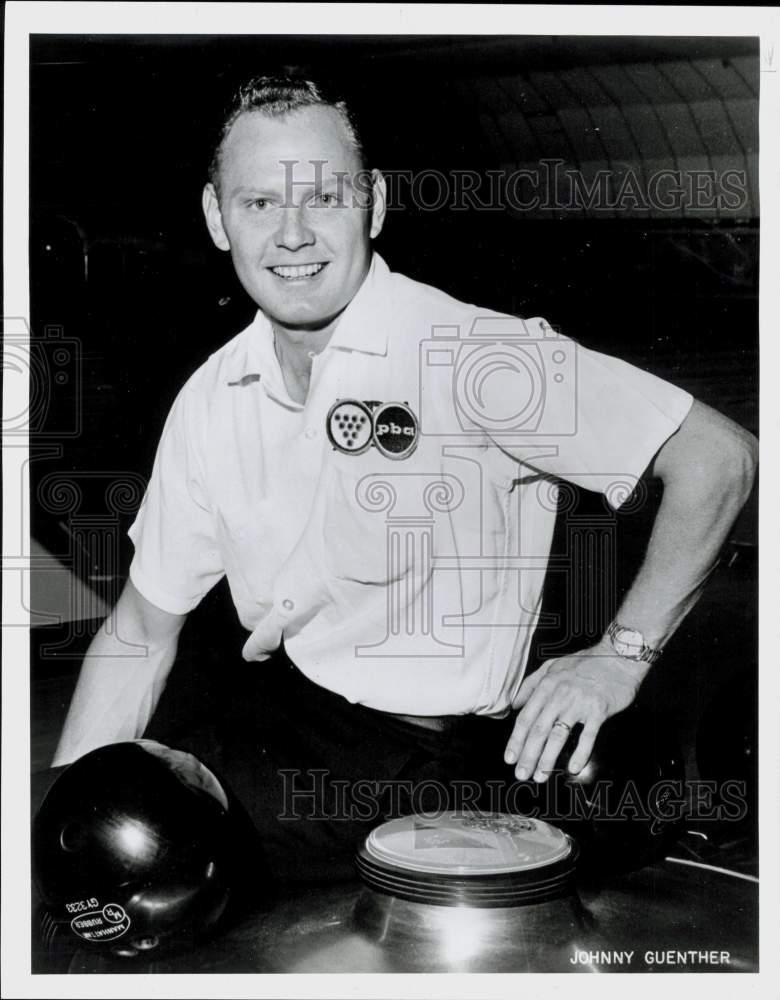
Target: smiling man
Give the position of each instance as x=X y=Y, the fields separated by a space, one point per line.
x=288 y=199
x=380 y=521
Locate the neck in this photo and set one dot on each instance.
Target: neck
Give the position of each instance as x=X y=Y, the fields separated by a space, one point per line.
x=297 y=342
x=295 y=351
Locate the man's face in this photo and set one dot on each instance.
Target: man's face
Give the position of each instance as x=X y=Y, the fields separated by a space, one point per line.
x=294 y=214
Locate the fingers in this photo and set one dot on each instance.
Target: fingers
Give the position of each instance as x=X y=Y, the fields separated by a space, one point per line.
x=532 y=728
x=543 y=742
x=549 y=713
x=562 y=693
x=559 y=733
x=581 y=755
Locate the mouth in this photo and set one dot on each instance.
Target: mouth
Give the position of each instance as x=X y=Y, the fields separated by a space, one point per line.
x=298 y=272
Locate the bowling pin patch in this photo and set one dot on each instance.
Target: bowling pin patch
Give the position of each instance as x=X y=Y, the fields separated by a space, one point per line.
x=353 y=426
x=350 y=427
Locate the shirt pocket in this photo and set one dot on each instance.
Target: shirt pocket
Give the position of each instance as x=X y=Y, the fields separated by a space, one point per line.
x=379 y=515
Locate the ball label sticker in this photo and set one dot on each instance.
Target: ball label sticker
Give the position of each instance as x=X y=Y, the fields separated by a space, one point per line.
x=349 y=426
x=395 y=430
x=101 y=925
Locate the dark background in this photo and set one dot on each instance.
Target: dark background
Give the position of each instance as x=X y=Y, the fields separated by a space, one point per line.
x=125 y=279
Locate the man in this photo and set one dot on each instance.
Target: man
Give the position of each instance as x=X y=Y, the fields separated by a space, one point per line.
x=376 y=501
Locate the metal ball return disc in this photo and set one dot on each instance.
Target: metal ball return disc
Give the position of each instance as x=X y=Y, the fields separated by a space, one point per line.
x=477 y=860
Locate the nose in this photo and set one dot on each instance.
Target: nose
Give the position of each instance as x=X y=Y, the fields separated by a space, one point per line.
x=294 y=231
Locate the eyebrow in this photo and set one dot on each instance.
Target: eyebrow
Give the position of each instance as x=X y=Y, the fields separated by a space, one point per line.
x=254 y=192
x=329 y=182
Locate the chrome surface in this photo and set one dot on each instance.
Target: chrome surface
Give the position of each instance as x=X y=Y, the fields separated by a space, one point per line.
x=348 y=928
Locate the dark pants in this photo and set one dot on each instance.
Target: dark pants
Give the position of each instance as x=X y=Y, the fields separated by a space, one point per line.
x=313 y=773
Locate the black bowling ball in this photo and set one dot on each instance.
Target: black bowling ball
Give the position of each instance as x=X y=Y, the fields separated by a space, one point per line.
x=626 y=807
x=131 y=849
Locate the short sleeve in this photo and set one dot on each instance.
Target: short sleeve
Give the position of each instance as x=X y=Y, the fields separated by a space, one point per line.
x=603 y=422
x=177 y=559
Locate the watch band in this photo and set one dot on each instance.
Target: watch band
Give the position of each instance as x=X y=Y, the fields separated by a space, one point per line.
x=629 y=643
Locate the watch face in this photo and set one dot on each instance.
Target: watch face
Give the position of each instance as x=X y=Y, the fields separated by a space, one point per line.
x=628 y=641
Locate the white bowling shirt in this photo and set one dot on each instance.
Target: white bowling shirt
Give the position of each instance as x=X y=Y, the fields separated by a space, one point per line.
x=409 y=584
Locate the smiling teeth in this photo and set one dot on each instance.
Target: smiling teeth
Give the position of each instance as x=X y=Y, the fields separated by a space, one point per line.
x=299 y=271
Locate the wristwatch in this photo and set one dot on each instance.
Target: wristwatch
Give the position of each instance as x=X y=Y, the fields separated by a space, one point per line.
x=630 y=644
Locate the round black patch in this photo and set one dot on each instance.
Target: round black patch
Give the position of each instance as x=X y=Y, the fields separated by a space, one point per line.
x=395 y=430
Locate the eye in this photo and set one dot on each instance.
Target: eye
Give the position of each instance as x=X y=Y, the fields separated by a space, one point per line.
x=260 y=204
x=325 y=199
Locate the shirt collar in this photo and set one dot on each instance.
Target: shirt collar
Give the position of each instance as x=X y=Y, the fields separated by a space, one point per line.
x=363 y=326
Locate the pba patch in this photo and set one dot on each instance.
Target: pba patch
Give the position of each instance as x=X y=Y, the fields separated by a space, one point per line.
x=349 y=426
x=395 y=430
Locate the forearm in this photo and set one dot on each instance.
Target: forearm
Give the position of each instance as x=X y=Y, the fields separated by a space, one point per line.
x=707 y=469
x=118 y=688
x=693 y=522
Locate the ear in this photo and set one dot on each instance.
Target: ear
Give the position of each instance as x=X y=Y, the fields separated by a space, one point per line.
x=379 y=208
x=214 y=218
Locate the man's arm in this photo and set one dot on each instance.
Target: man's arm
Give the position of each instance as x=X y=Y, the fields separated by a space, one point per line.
x=707 y=469
x=123 y=675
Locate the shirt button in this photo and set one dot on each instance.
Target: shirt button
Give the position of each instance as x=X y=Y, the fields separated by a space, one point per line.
x=310 y=433
x=287 y=604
